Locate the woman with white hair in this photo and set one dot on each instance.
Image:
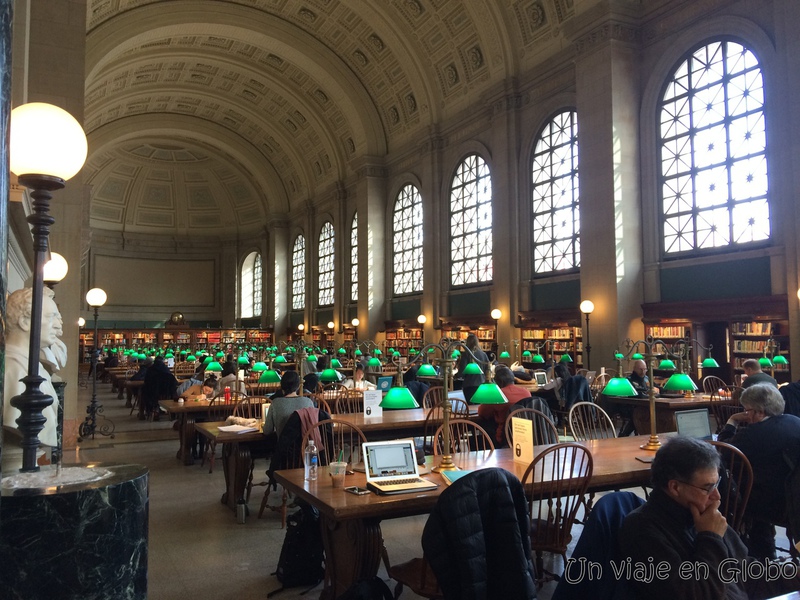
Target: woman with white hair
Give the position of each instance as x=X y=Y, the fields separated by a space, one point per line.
x=763 y=433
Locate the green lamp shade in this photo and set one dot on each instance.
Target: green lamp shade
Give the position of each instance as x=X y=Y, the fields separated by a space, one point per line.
x=426 y=371
x=396 y=354
x=243 y=360
x=432 y=350
x=374 y=362
x=324 y=350
x=710 y=363
x=291 y=349
x=269 y=376
x=565 y=358
x=780 y=359
x=505 y=354
x=488 y=393
x=666 y=365
x=207 y=360
x=390 y=350
x=764 y=361
x=214 y=366
x=399 y=397
x=336 y=363
x=169 y=355
x=680 y=382
x=259 y=367
x=191 y=357
x=341 y=351
x=312 y=357
x=329 y=376
x=184 y=352
x=142 y=356
x=412 y=352
x=272 y=355
x=358 y=353
x=637 y=356
x=538 y=359
x=376 y=352
x=619 y=386
x=219 y=355
x=280 y=359
x=618 y=356
x=473 y=369
x=455 y=355
x=526 y=354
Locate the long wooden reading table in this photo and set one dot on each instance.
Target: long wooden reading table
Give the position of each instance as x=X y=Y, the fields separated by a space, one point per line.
x=351 y=524
x=187 y=412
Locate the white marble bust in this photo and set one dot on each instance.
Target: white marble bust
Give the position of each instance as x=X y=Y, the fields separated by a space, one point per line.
x=18 y=326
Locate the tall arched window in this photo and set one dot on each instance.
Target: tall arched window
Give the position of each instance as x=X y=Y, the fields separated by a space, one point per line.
x=407 y=241
x=554 y=178
x=251 y=286
x=326 y=255
x=354 y=259
x=299 y=273
x=712 y=145
x=471 y=222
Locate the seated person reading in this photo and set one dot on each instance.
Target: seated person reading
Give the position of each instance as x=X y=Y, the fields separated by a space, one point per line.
x=357 y=381
x=200 y=391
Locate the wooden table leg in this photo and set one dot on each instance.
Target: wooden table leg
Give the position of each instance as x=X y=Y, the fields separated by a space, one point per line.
x=187 y=435
x=236 y=466
x=352 y=553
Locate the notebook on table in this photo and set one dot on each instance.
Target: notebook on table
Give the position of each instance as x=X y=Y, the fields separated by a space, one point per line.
x=693 y=423
x=391 y=468
x=384 y=383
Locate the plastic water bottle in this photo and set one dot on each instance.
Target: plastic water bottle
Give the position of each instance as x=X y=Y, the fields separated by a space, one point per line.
x=311 y=461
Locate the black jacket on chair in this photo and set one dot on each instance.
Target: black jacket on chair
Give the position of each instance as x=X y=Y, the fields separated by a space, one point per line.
x=477 y=539
x=575 y=389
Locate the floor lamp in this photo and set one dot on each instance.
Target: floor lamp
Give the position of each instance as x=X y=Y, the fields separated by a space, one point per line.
x=95 y=298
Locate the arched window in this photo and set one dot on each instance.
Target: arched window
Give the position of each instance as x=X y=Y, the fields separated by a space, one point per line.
x=554 y=177
x=354 y=259
x=251 y=286
x=407 y=241
x=471 y=222
x=325 y=254
x=712 y=144
x=299 y=273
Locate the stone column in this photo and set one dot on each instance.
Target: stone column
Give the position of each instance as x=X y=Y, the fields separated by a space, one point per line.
x=607 y=86
x=278 y=268
x=6 y=15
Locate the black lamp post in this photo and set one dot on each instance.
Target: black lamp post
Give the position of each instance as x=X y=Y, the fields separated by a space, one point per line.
x=47 y=147
x=95 y=298
x=587 y=307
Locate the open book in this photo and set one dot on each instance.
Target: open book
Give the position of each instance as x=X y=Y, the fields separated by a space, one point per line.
x=237 y=428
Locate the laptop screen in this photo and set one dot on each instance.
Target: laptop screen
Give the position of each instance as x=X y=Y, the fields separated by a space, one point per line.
x=541 y=377
x=384 y=383
x=693 y=423
x=390 y=459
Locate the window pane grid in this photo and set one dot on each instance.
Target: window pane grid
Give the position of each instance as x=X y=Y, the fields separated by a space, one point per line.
x=354 y=259
x=407 y=241
x=555 y=196
x=325 y=253
x=257 y=283
x=299 y=273
x=471 y=223
x=714 y=169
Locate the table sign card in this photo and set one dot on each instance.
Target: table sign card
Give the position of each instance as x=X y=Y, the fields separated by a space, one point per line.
x=522 y=430
x=264 y=410
x=372 y=403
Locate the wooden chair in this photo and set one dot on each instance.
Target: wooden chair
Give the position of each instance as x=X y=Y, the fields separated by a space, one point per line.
x=330 y=393
x=724 y=403
x=555 y=483
x=350 y=401
x=218 y=410
x=544 y=430
x=599 y=383
x=737 y=481
x=249 y=407
x=465 y=436
x=262 y=389
x=712 y=383
x=322 y=404
x=434 y=418
x=588 y=421
x=184 y=369
x=338 y=438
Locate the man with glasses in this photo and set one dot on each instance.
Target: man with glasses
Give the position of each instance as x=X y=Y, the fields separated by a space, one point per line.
x=680 y=540
x=764 y=433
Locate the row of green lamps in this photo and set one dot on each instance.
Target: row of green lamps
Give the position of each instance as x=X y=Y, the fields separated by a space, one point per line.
x=538 y=359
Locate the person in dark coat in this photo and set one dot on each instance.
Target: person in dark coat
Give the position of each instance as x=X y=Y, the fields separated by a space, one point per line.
x=767 y=435
x=791 y=398
x=477 y=539
x=159 y=384
x=470 y=383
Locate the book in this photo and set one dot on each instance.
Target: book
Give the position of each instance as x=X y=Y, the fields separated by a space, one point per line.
x=237 y=428
x=451 y=476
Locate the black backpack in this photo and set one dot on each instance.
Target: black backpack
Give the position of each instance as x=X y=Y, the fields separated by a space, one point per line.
x=368 y=589
x=302 y=555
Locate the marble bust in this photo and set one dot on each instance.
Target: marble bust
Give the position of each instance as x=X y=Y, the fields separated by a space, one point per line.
x=53 y=351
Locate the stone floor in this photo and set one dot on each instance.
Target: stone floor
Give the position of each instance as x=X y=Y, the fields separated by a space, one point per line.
x=196 y=547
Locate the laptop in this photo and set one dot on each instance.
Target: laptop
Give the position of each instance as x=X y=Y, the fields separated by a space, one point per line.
x=384 y=383
x=590 y=375
x=694 y=423
x=540 y=377
x=391 y=468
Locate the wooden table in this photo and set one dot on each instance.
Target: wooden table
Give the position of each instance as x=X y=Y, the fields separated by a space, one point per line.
x=666 y=407
x=186 y=414
x=236 y=458
x=351 y=524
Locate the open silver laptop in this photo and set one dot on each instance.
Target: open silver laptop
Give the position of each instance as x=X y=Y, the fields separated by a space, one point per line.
x=694 y=423
x=391 y=468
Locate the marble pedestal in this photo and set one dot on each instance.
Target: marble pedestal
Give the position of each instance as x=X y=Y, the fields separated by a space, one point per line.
x=84 y=540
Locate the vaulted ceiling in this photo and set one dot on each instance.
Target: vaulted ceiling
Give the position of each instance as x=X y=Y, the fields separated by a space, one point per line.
x=215 y=116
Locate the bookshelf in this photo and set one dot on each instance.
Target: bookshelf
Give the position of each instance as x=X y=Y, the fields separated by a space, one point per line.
x=402 y=337
x=750 y=339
